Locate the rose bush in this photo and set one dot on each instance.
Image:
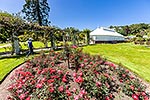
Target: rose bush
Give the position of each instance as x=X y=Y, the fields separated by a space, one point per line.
x=47 y=77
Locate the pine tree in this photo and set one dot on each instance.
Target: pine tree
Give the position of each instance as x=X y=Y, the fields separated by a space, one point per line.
x=36 y=11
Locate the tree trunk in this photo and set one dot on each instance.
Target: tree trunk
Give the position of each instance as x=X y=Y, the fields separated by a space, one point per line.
x=52 y=41
x=88 y=38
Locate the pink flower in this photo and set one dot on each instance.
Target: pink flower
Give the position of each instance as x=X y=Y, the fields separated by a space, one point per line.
x=74 y=46
x=39 y=72
x=19 y=86
x=28 y=98
x=146 y=98
x=132 y=87
x=52 y=70
x=76 y=97
x=91 y=63
x=39 y=85
x=121 y=80
x=43 y=79
x=106 y=75
x=85 y=60
x=22 y=96
x=61 y=88
x=54 y=77
x=111 y=96
x=51 y=90
x=83 y=92
x=10 y=87
x=60 y=72
x=74 y=89
x=82 y=65
x=123 y=75
x=107 y=85
x=127 y=71
x=135 y=97
x=98 y=84
x=131 y=77
x=80 y=73
x=68 y=93
x=79 y=79
x=107 y=98
x=50 y=81
x=64 y=79
x=143 y=94
x=74 y=74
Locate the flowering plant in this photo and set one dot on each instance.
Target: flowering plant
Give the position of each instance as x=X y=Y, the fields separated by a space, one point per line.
x=47 y=77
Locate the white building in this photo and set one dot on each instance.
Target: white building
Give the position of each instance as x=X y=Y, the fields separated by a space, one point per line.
x=105 y=35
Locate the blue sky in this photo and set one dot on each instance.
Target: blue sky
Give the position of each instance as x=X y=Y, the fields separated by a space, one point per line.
x=90 y=14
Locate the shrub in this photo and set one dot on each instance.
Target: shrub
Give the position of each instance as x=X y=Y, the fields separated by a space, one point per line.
x=48 y=77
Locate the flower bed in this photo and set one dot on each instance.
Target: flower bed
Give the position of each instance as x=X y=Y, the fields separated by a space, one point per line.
x=73 y=75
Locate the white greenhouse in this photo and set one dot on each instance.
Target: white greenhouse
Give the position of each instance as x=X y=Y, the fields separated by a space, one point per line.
x=105 y=35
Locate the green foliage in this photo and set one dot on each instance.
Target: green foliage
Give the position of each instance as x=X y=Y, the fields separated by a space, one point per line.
x=131 y=29
x=9 y=24
x=36 y=11
x=87 y=33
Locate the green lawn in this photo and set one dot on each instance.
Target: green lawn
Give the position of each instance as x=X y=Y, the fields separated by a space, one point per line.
x=7 y=64
x=135 y=57
x=36 y=44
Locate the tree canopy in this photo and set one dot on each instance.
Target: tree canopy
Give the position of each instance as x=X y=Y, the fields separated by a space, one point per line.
x=36 y=11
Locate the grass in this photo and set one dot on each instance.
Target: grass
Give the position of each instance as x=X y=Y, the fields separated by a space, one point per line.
x=2 y=44
x=134 y=57
x=36 y=44
x=24 y=46
x=10 y=62
x=7 y=64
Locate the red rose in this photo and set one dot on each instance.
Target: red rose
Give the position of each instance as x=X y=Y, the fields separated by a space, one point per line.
x=28 y=98
x=121 y=80
x=107 y=98
x=64 y=79
x=79 y=79
x=146 y=98
x=51 y=90
x=135 y=97
x=39 y=85
x=143 y=94
x=50 y=81
x=22 y=96
x=68 y=93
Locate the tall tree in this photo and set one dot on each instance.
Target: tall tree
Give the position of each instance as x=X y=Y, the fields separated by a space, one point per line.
x=36 y=11
x=87 y=32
